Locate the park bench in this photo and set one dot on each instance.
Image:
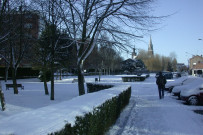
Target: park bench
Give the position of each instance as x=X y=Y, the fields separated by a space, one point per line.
x=11 y=86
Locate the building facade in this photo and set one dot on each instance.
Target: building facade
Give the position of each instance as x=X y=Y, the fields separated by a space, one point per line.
x=194 y=61
x=196 y=65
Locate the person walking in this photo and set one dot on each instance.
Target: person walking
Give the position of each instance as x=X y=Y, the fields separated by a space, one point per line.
x=161 y=81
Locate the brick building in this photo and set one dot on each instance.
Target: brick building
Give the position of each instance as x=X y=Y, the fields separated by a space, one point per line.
x=196 y=65
x=27 y=25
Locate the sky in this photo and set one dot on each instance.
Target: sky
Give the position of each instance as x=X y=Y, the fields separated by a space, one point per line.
x=178 y=33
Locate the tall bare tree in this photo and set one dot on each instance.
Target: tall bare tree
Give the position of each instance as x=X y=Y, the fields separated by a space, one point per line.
x=51 y=16
x=2 y=99
x=15 y=45
x=85 y=20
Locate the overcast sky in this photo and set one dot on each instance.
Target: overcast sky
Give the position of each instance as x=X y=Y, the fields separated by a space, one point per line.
x=180 y=32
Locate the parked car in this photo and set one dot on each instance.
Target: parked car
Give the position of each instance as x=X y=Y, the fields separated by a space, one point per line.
x=166 y=74
x=171 y=84
x=193 y=96
x=188 y=84
x=176 y=74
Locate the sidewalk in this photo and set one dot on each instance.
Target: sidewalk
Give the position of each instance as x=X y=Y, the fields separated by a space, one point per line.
x=146 y=114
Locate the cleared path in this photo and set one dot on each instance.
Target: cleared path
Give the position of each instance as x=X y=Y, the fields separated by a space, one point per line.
x=146 y=114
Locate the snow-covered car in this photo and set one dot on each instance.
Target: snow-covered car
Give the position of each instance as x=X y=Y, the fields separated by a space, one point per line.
x=166 y=74
x=178 y=82
x=190 y=83
x=193 y=96
x=176 y=74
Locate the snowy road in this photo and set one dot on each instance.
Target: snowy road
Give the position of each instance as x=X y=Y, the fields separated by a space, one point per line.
x=146 y=114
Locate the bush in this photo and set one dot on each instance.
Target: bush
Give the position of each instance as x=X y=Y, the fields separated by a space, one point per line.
x=48 y=76
x=91 y=87
x=101 y=119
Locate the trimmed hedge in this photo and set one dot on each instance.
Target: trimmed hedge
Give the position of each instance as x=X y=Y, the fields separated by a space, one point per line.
x=100 y=120
x=91 y=87
x=133 y=78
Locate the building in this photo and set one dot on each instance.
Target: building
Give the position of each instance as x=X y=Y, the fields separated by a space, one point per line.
x=195 y=60
x=150 y=48
x=198 y=70
x=33 y=24
x=25 y=27
x=181 y=67
x=196 y=65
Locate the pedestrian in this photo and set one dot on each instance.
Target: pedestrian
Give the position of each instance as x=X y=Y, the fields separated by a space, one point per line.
x=161 y=81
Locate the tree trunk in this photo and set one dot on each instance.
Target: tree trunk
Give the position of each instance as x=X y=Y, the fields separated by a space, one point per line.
x=52 y=81
x=6 y=73
x=80 y=81
x=2 y=99
x=60 y=74
x=15 y=88
x=45 y=82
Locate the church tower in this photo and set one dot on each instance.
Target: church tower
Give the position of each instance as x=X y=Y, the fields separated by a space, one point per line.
x=150 y=48
x=134 y=55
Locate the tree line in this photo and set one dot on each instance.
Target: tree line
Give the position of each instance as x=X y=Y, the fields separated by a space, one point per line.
x=157 y=62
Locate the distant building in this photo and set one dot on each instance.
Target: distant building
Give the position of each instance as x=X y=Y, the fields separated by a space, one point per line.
x=194 y=61
x=27 y=24
x=198 y=70
x=196 y=65
x=181 y=67
x=150 y=48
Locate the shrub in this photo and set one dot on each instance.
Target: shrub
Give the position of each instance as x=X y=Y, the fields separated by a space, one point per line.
x=48 y=76
x=100 y=120
x=91 y=87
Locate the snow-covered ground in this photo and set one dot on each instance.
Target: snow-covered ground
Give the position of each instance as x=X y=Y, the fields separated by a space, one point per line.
x=146 y=114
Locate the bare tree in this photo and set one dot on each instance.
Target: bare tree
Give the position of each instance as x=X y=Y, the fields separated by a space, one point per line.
x=85 y=20
x=2 y=99
x=51 y=16
x=14 y=46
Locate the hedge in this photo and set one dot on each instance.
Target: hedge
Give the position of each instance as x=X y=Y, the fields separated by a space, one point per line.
x=100 y=119
x=94 y=87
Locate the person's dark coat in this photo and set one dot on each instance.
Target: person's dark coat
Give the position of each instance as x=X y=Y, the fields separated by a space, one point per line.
x=161 y=81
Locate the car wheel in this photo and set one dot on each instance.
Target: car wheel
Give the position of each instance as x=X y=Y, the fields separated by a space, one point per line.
x=193 y=100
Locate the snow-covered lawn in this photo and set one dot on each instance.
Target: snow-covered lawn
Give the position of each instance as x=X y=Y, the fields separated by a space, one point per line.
x=146 y=114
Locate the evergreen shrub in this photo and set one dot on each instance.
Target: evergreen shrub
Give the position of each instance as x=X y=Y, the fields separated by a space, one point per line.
x=100 y=120
x=48 y=76
x=93 y=87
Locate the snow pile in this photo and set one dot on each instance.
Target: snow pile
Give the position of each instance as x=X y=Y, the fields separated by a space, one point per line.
x=54 y=117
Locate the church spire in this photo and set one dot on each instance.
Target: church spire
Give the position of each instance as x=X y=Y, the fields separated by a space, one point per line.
x=134 y=55
x=150 y=48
